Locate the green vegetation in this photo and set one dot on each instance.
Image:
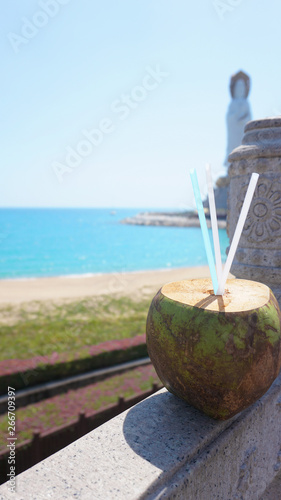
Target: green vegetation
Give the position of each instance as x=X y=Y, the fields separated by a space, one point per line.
x=26 y=373
x=44 y=328
x=64 y=408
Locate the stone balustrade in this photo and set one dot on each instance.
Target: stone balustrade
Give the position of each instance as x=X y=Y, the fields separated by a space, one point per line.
x=258 y=257
x=164 y=448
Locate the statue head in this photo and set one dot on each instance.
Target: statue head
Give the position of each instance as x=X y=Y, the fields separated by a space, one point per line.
x=240 y=85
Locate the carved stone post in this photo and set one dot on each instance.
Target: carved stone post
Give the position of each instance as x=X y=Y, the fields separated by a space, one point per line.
x=258 y=256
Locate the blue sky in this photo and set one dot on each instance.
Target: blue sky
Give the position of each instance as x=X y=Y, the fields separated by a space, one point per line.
x=148 y=81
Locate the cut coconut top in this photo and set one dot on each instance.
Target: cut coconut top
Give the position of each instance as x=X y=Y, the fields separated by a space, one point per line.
x=239 y=295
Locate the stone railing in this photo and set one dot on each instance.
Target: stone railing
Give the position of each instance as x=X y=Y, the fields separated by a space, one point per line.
x=164 y=448
x=258 y=257
x=44 y=444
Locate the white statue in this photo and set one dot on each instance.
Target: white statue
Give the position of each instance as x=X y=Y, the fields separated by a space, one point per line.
x=239 y=111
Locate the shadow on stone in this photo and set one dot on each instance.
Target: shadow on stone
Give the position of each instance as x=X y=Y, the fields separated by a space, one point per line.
x=166 y=431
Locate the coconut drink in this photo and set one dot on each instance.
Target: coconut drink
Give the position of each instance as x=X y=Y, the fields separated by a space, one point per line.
x=218 y=353
x=216 y=343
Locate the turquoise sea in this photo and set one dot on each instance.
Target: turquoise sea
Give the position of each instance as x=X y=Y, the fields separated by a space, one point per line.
x=55 y=242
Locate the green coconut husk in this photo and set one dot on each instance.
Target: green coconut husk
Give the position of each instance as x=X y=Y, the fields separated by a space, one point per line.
x=218 y=353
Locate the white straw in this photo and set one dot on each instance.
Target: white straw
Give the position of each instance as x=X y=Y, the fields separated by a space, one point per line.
x=238 y=231
x=204 y=229
x=214 y=222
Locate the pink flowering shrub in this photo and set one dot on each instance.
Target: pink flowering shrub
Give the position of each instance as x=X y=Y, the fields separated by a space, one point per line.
x=21 y=373
x=63 y=409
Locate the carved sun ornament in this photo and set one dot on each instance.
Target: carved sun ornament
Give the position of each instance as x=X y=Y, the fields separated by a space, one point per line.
x=264 y=217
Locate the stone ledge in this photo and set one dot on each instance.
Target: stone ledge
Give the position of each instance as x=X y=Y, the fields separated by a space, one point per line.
x=164 y=448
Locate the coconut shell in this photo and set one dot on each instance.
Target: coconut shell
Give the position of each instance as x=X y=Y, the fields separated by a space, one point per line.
x=218 y=353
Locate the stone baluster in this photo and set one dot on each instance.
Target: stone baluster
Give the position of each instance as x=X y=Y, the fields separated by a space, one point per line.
x=258 y=256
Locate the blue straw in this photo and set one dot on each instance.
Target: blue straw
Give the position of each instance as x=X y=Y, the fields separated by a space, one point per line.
x=204 y=229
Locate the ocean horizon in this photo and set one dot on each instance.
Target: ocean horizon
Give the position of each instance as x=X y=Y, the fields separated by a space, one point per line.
x=46 y=242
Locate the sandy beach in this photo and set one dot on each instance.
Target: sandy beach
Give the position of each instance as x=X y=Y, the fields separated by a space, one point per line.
x=137 y=284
